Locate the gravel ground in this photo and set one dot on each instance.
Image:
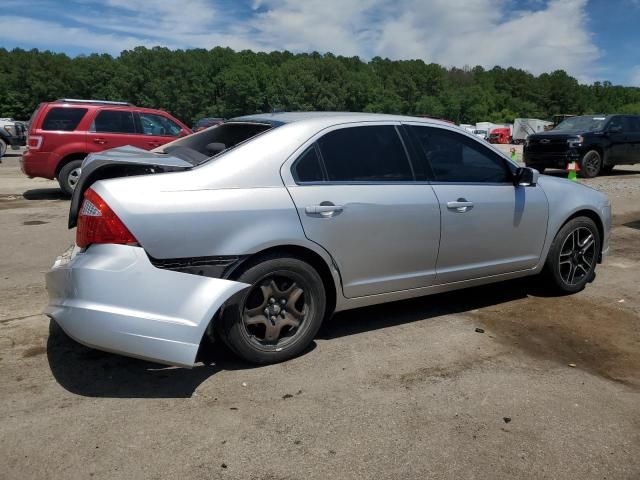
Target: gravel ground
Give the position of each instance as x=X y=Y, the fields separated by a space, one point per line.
x=403 y=390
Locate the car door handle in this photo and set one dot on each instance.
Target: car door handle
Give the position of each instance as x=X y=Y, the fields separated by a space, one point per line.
x=99 y=141
x=326 y=210
x=461 y=205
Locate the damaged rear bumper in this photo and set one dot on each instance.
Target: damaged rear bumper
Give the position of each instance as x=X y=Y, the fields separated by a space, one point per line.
x=112 y=298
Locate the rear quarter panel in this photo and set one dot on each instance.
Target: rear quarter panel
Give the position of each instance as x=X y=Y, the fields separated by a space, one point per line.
x=204 y=222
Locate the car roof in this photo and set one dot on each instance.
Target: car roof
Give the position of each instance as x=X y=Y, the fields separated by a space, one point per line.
x=281 y=118
x=99 y=105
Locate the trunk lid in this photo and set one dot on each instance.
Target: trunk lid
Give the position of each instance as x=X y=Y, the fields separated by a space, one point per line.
x=125 y=161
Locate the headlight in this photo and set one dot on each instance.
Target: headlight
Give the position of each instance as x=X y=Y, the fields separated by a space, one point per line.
x=575 y=141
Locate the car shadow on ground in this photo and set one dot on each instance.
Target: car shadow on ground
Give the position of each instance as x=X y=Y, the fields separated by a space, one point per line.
x=617 y=172
x=13 y=153
x=93 y=373
x=385 y=315
x=88 y=372
x=45 y=194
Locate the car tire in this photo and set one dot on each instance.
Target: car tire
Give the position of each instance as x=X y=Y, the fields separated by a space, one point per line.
x=68 y=176
x=571 y=262
x=3 y=148
x=259 y=323
x=591 y=164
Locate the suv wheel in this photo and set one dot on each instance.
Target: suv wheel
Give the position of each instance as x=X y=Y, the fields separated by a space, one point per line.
x=573 y=255
x=69 y=175
x=3 y=148
x=279 y=315
x=591 y=164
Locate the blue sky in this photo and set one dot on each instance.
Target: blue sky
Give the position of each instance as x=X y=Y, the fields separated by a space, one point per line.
x=591 y=39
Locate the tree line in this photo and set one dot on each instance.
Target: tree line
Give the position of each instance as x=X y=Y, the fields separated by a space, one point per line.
x=221 y=82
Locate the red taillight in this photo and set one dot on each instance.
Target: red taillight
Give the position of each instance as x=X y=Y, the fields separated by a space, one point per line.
x=34 y=141
x=97 y=223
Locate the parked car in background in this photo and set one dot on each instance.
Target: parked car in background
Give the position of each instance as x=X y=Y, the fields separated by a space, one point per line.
x=480 y=134
x=12 y=135
x=501 y=135
x=62 y=133
x=596 y=142
x=206 y=123
x=297 y=216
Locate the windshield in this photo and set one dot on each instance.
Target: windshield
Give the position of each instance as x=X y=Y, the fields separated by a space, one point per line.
x=580 y=124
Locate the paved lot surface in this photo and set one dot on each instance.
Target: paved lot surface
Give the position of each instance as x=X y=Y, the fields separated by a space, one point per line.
x=405 y=390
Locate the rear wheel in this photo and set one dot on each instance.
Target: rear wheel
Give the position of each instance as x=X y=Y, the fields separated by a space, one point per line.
x=279 y=315
x=591 y=164
x=3 y=148
x=573 y=255
x=69 y=176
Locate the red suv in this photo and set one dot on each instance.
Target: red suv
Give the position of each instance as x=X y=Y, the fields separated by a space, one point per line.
x=63 y=132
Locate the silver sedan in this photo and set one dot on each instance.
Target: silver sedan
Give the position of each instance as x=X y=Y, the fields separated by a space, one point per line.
x=256 y=230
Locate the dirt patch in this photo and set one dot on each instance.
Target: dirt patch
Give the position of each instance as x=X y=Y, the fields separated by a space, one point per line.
x=34 y=222
x=442 y=372
x=34 y=351
x=10 y=202
x=601 y=339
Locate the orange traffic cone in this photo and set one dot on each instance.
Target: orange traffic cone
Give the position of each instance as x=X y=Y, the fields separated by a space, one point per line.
x=573 y=168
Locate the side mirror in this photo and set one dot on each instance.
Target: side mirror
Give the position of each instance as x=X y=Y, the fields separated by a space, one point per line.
x=615 y=129
x=526 y=177
x=183 y=132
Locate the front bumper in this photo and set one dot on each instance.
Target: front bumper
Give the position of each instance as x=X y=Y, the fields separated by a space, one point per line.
x=547 y=160
x=112 y=298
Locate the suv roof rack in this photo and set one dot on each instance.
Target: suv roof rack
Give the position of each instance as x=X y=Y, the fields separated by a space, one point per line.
x=99 y=102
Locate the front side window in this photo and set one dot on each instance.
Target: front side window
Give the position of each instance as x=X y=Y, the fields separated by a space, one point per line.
x=158 y=125
x=617 y=123
x=114 y=121
x=453 y=157
x=365 y=154
x=61 y=118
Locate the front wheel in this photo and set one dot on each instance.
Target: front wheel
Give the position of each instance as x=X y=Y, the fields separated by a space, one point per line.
x=591 y=164
x=3 y=148
x=573 y=255
x=279 y=315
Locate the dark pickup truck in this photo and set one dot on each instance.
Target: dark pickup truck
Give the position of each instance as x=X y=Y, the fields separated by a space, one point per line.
x=596 y=142
x=12 y=134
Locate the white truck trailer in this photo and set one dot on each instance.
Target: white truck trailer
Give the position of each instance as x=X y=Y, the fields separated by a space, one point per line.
x=527 y=126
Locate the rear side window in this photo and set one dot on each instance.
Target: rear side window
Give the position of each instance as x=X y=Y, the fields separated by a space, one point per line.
x=66 y=119
x=632 y=124
x=114 y=121
x=454 y=157
x=365 y=154
x=308 y=167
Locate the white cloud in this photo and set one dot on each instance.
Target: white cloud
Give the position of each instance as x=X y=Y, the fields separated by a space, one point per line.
x=47 y=34
x=450 y=32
